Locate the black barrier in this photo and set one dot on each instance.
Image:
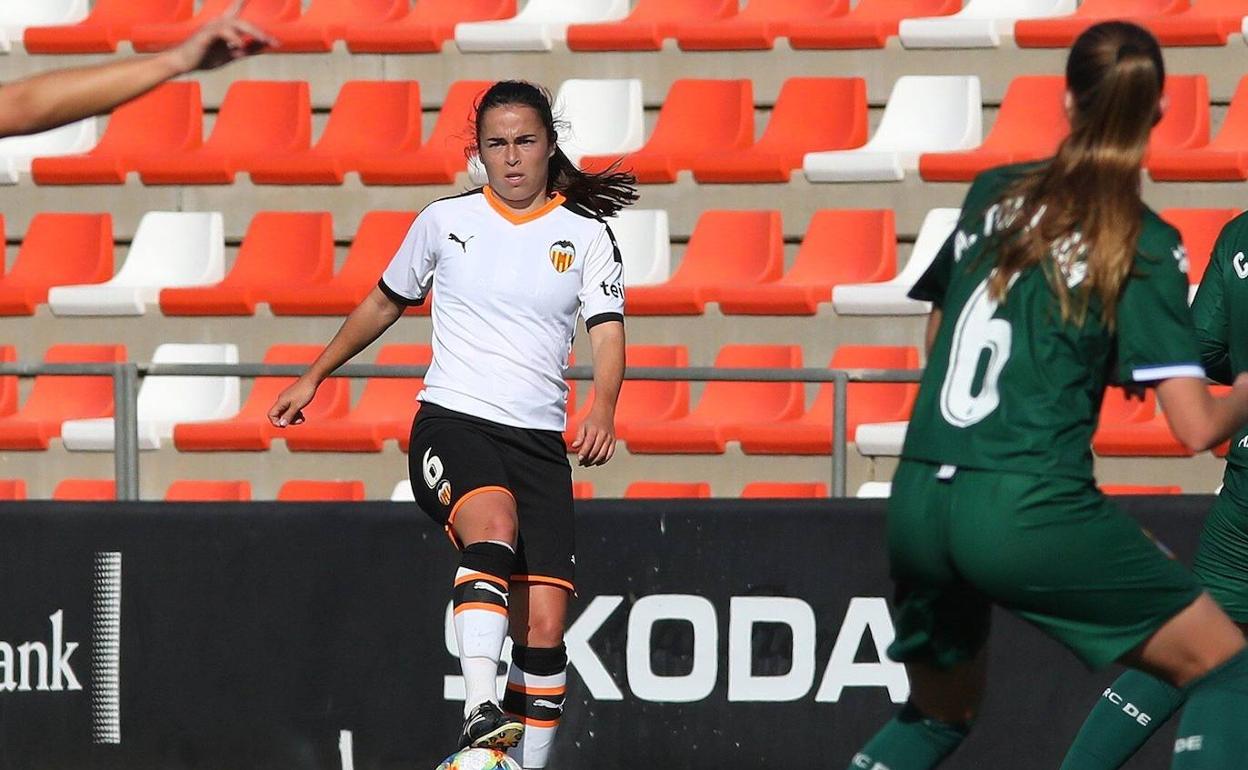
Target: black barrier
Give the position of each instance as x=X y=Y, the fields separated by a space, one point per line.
x=707 y=634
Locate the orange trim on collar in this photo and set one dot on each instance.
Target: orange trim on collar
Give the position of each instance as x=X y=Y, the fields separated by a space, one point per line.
x=508 y=213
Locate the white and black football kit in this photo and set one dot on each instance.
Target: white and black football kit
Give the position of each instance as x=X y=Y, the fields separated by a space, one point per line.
x=494 y=403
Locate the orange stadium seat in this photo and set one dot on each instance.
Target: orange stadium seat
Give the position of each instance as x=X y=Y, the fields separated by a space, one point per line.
x=697 y=118
x=376 y=240
x=1031 y=123
x=425 y=28
x=727 y=249
x=780 y=490
x=1224 y=158
x=727 y=408
x=8 y=384
x=167 y=121
x=320 y=491
x=264 y=13
x=188 y=491
x=278 y=245
x=109 y=22
x=1130 y=427
x=757 y=25
x=1208 y=22
x=811 y=115
x=59 y=249
x=384 y=412
x=12 y=489
x=1199 y=228
x=258 y=120
x=655 y=490
x=650 y=23
x=810 y=432
x=643 y=401
x=582 y=490
x=869 y=25
x=1061 y=31
x=325 y=21
x=1140 y=489
x=1185 y=123
x=444 y=155
x=250 y=430
x=85 y=490
x=370 y=118
x=56 y=398
x=840 y=246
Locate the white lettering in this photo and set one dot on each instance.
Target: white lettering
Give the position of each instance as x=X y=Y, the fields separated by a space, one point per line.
x=745 y=613
x=62 y=675
x=686 y=688
x=865 y=614
x=587 y=663
x=1241 y=269
x=23 y=661
x=7 y=682
x=1193 y=743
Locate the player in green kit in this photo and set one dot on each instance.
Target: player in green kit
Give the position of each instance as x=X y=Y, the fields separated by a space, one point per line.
x=1057 y=282
x=1137 y=704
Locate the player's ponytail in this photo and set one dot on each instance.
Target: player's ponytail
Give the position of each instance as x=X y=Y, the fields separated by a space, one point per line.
x=1087 y=197
x=600 y=194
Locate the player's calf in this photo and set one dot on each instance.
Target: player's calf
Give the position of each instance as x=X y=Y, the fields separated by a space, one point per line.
x=536 y=690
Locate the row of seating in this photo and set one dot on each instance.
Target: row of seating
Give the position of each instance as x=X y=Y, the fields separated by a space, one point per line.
x=395 y=26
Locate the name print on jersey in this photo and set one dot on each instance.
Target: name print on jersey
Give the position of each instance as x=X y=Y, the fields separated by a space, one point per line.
x=562 y=255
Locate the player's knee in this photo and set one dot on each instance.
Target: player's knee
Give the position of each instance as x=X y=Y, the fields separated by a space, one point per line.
x=543 y=632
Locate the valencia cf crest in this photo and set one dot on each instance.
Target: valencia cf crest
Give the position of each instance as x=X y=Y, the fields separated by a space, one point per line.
x=562 y=255
x=444 y=492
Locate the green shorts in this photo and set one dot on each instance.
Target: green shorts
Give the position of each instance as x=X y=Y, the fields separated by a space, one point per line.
x=1054 y=551
x=1221 y=563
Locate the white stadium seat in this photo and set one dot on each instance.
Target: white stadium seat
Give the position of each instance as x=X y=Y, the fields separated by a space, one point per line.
x=538 y=26
x=17 y=15
x=166 y=401
x=889 y=297
x=875 y=489
x=600 y=117
x=403 y=492
x=925 y=113
x=16 y=152
x=880 y=439
x=169 y=249
x=980 y=23
x=645 y=246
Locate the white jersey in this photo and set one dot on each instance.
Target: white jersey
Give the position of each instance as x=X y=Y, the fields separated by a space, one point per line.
x=508 y=289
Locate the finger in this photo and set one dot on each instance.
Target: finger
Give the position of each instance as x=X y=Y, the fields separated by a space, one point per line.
x=594 y=455
x=298 y=419
x=289 y=413
x=610 y=450
x=275 y=413
x=587 y=444
x=251 y=30
x=580 y=437
x=604 y=451
x=231 y=38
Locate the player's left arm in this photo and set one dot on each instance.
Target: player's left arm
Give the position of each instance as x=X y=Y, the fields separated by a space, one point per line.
x=1210 y=314
x=595 y=440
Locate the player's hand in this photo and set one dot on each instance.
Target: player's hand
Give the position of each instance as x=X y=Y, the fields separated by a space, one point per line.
x=221 y=41
x=288 y=408
x=595 y=440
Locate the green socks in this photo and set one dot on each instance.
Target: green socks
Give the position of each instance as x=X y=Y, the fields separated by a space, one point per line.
x=1213 y=734
x=909 y=742
x=1128 y=713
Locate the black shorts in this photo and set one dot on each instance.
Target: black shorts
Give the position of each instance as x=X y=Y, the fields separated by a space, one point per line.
x=454 y=456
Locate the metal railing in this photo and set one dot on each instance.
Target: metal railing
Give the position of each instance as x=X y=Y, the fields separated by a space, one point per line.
x=126 y=377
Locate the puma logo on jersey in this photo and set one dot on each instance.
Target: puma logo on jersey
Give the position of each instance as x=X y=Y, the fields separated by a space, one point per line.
x=462 y=243
x=542 y=702
x=481 y=585
x=1241 y=269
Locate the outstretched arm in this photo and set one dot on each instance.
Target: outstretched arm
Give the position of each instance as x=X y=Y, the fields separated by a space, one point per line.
x=1199 y=419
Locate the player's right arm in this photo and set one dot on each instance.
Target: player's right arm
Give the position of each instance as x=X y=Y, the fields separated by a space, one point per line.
x=1198 y=418
x=1210 y=314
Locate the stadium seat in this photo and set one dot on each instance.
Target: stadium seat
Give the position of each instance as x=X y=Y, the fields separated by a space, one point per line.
x=810 y=432
x=980 y=23
x=727 y=249
x=85 y=490
x=170 y=248
x=424 y=28
x=1199 y=228
x=781 y=490
x=600 y=117
x=307 y=491
x=1223 y=158
x=383 y=413
x=811 y=115
x=874 y=490
x=443 y=155
x=12 y=489
x=56 y=398
x=869 y=25
x=279 y=247
x=376 y=240
x=258 y=120
x=325 y=21
x=925 y=113
x=195 y=491
x=726 y=408
x=17 y=153
x=166 y=121
x=582 y=490
x=1031 y=123
x=657 y=490
x=58 y=249
x=889 y=297
x=109 y=22
x=1131 y=427
x=880 y=439
x=698 y=117
x=645 y=245
x=8 y=383
x=370 y=118
x=166 y=400
x=650 y=23
x=1185 y=123
x=1061 y=31
x=1207 y=22
x=403 y=493
x=263 y=13
x=17 y=15
x=1140 y=489
x=250 y=430
x=757 y=25
x=537 y=27
x=642 y=401
x=841 y=246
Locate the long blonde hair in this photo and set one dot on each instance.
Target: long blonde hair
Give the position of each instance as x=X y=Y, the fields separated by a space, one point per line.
x=1088 y=195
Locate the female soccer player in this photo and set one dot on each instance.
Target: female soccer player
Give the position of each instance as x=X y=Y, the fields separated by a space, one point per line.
x=512 y=264
x=1057 y=280
x=1136 y=704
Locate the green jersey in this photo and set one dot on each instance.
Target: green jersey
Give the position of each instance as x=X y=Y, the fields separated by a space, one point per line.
x=1009 y=385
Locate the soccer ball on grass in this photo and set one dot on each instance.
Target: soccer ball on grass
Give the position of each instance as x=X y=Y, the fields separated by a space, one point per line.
x=479 y=759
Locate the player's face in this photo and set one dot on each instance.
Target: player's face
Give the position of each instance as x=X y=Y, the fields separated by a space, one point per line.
x=515 y=150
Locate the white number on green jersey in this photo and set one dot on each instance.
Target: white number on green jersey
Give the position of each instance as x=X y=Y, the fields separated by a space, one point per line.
x=977 y=333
